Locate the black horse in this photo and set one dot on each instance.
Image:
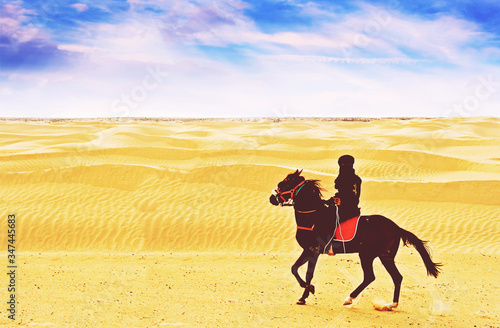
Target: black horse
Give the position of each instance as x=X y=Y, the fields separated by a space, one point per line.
x=376 y=236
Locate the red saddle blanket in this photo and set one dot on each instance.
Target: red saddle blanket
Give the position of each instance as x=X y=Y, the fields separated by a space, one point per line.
x=347 y=229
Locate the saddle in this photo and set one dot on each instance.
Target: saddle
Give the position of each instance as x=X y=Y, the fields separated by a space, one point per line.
x=346 y=231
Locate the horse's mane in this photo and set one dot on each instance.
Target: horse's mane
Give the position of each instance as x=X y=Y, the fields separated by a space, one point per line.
x=316 y=187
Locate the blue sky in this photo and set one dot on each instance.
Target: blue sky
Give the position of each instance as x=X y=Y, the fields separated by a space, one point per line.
x=233 y=58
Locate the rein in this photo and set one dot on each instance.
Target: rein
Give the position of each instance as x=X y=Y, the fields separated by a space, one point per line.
x=337 y=226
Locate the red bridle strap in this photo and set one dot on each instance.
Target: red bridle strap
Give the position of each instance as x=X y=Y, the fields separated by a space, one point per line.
x=291 y=192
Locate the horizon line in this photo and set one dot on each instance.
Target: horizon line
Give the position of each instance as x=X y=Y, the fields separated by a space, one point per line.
x=242 y=119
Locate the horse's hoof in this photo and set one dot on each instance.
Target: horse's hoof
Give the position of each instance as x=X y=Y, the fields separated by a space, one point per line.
x=301 y=301
x=386 y=307
x=389 y=307
x=348 y=300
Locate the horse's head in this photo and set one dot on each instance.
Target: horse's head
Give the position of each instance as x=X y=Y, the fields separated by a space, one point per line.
x=287 y=188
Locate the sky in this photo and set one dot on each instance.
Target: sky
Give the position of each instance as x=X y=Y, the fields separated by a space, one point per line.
x=231 y=58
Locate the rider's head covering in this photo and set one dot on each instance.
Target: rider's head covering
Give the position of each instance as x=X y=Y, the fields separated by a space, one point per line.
x=346 y=160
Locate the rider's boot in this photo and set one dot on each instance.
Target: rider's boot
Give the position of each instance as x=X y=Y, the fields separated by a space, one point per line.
x=330 y=251
x=335 y=247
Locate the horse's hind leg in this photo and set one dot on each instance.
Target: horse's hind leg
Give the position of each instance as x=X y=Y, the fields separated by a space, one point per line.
x=397 y=278
x=368 y=275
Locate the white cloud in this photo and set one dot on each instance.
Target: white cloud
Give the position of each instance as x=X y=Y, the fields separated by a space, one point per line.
x=80 y=6
x=76 y=48
x=370 y=32
x=15 y=25
x=341 y=60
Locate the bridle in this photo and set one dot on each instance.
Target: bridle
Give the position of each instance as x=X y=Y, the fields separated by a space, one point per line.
x=292 y=192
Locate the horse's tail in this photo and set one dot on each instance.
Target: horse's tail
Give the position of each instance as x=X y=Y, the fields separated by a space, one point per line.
x=409 y=238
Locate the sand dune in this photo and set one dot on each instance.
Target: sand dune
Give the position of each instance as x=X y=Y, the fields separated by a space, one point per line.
x=202 y=187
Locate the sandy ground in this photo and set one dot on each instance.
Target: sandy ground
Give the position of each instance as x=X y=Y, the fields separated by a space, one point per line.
x=224 y=290
x=147 y=224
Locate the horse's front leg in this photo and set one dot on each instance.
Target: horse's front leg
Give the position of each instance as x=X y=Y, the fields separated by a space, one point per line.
x=303 y=258
x=312 y=259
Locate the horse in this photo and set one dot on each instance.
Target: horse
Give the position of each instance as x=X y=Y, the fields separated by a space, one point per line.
x=376 y=236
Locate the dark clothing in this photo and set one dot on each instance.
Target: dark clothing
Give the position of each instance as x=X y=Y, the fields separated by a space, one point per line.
x=348 y=185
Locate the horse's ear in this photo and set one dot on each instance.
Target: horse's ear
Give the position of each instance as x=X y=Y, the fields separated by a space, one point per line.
x=299 y=172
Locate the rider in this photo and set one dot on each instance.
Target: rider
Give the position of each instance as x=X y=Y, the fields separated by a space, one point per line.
x=348 y=185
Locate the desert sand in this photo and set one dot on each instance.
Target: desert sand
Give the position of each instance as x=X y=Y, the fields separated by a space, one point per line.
x=156 y=223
